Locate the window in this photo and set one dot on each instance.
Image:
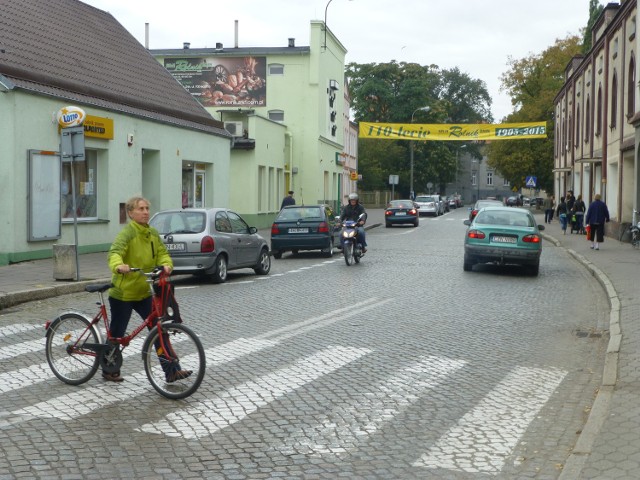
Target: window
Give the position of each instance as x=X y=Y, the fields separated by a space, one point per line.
x=86 y=180
x=238 y=225
x=276 y=115
x=598 y=118
x=614 y=100
x=489 y=178
x=631 y=88
x=506 y=183
x=276 y=69
x=474 y=178
x=577 y=139
x=587 y=120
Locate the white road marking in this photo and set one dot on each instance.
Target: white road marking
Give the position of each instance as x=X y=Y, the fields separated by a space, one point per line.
x=486 y=436
x=233 y=405
x=346 y=426
x=18 y=328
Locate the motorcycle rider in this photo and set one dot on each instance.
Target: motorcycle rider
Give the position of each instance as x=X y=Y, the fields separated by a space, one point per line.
x=352 y=211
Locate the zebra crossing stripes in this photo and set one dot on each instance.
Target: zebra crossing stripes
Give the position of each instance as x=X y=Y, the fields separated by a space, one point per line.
x=484 y=437
x=233 y=405
x=18 y=328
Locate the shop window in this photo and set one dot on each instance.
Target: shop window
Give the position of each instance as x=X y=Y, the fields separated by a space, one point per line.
x=85 y=177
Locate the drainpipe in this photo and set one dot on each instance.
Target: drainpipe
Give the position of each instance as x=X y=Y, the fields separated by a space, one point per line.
x=603 y=182
x=289 y=136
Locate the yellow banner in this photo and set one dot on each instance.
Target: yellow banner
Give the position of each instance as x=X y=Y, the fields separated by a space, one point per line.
x=453 y=132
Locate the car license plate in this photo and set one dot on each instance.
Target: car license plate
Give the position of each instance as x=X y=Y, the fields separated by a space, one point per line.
x=298 y=230
x=401 y=213
x=175 y=247
x=503 y=239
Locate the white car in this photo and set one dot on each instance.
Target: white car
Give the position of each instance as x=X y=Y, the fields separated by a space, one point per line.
x=429 y=204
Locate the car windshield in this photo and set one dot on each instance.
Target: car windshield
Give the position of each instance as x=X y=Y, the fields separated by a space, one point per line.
x=400 y=204
x=169 y=223
x=424 y=199
x=300 y=213
x=501 y=217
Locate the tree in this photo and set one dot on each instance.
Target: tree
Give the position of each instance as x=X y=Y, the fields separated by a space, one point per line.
x=533 y=82
x=595 y=9
x=393 y=92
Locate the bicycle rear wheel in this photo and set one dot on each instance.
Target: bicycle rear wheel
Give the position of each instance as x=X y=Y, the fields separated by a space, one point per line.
x=65 y=348
x=186 y=354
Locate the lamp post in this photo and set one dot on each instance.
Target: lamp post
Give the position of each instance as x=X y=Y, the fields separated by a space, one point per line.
x=411 y=193
x=324 y=47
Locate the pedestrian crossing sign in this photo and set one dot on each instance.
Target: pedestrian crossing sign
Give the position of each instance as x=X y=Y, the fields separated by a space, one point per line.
x=531 y=182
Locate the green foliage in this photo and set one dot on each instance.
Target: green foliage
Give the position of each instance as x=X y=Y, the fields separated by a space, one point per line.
x=595 y=9
x=533 y=82
x=394 y=93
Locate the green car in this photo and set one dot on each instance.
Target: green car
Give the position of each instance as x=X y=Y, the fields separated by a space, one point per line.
x=504 y=236
x=304 y=227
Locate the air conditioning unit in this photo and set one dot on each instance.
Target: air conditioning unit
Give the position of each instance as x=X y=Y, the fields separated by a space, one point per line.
x=234 y=128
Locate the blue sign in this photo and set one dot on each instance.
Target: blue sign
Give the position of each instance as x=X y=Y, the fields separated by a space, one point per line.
x=531 y=182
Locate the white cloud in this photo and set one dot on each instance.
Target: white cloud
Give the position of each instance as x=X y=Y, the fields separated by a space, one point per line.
x=476 y=36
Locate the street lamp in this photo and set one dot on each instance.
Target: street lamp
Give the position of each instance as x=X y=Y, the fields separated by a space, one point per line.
x=411 y=194
x=324 y=47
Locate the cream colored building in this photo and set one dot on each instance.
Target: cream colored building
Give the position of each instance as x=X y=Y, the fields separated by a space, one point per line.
x=595 y=139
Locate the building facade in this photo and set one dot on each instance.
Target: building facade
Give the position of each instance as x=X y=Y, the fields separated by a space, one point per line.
x=595 y=112
x=141 y=128
x=287 y=108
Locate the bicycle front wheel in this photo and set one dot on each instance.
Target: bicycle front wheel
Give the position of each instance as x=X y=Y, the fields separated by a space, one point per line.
x=175 y=363
x=70 y=348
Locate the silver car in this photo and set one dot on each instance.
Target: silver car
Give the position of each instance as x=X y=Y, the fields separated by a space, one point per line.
x=429 y=204
x=211 y=242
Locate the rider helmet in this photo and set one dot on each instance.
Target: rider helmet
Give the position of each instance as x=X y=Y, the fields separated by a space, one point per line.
x=353 y=196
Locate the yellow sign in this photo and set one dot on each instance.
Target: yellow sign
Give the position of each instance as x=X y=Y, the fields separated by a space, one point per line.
x=354 y=176
x=98 y=127
x=453 y=132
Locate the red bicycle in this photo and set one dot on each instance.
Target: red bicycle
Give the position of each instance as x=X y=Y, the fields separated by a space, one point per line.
x=75 y=348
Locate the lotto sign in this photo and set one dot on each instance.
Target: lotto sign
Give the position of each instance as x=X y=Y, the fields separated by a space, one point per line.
x=354 y=176
x=70 y=117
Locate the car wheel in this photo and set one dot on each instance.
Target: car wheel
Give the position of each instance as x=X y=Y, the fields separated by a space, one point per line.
x=264 y=263
x=387 y=225
x=416 y=223
x=467 y=265
x=220 y=274
x=534 y=269
x=328 y=252
x=277 y=254
x=295 y=252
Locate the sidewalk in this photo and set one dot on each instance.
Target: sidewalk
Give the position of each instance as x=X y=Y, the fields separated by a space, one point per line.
x=609 y=445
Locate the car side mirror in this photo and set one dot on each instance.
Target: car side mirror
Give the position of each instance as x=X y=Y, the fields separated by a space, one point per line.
x=467 y=222
x=540 y=227
x=253 y=230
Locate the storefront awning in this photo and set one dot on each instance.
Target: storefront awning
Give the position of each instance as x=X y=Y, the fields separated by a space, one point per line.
x=590 y=160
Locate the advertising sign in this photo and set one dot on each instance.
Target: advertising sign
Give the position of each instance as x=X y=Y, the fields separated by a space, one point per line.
x=228 y=81
x=70 y=117
x=453 y=132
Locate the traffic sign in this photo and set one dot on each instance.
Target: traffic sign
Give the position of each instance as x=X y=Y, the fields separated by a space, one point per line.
x=531 y=182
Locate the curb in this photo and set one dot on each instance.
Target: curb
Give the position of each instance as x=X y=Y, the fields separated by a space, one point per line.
x=601 y=405
x=14 y=298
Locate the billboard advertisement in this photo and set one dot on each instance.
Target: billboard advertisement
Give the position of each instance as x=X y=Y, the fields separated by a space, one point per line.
x=222 y=82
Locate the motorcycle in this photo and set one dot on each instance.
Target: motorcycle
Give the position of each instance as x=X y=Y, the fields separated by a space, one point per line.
x=351 y=248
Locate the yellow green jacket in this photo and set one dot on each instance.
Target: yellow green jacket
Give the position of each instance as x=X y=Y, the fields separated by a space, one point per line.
x=139 y=246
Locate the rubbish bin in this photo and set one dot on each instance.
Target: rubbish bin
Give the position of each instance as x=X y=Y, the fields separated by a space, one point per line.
x=64 y=261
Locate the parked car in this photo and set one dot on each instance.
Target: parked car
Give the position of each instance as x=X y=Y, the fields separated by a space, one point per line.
x=428 y=204
x=401 y=212
x=211 y=242
x=512 y=201
x=452 y=202
x=503 y=235
x=304 y=227
x=481 y=204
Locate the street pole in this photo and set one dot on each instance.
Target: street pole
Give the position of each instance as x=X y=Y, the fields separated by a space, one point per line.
x=411 y=192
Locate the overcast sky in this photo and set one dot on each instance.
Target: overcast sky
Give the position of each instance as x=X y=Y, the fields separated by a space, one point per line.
x=476 y=36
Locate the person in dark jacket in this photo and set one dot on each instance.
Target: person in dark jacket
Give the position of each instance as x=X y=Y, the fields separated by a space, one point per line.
x=571 y=200
x=288 y=200
x=352 y=211
x=596 y=217
x=562 y=215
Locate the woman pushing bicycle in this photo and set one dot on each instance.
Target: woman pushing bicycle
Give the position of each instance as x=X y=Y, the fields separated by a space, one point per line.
x=139 y=245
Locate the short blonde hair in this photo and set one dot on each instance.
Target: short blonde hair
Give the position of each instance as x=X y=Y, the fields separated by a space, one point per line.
x=597 y=197
x=132 y=203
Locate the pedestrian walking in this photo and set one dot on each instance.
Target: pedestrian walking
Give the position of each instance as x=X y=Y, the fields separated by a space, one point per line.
x=548 y=205
x=288 y=200
x=562 y=215
x=597 y=216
